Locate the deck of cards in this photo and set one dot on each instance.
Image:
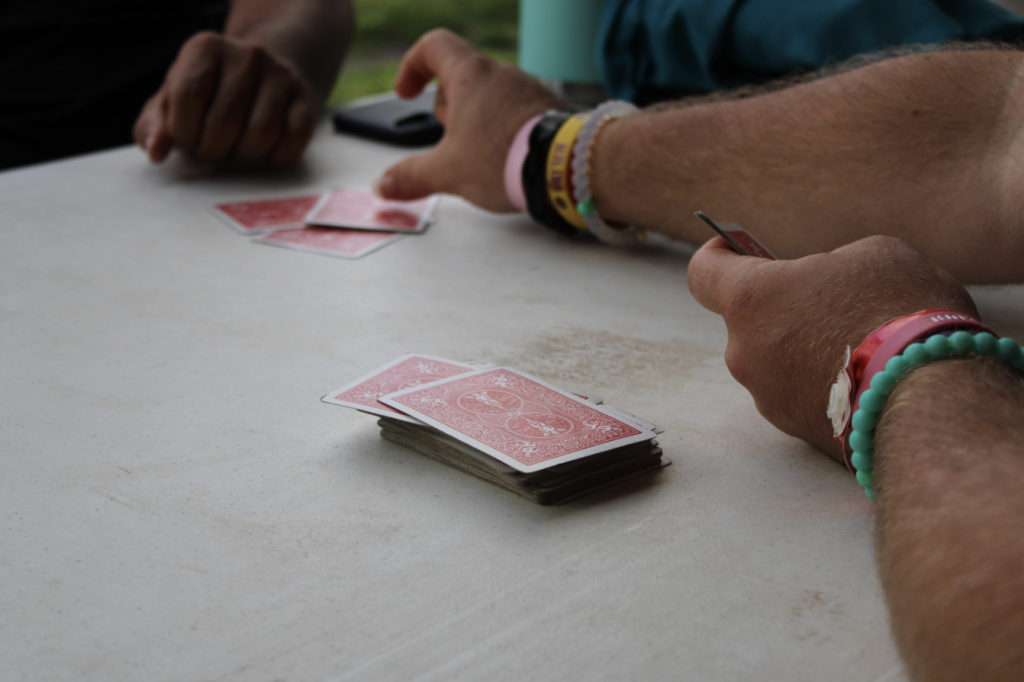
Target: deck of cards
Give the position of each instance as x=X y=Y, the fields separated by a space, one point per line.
x=347 y=222
x=505 y=427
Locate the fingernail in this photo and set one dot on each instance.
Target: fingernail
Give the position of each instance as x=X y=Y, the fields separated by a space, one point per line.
x=150 y=136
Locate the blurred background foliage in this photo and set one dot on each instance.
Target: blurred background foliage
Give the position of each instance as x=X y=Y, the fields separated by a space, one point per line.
x=386 y=28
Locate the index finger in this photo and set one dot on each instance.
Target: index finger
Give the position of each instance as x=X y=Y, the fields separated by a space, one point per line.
x=715 y=272
x=191 y=86
x=426 y=59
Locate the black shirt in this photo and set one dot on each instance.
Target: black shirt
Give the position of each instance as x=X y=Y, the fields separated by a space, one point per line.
x=74 y=75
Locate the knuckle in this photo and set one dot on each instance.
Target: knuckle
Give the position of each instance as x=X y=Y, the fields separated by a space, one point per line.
x=251 y=56
x=908 y=271
x=438 y=35
x=894 y=247
x=484 y=66
x=151 y=104
x=895 y=254
x=204 y=41
x=738 y=362
x=191 y=87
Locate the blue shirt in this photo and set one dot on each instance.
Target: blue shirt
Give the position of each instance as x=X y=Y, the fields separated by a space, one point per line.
x=651 y=49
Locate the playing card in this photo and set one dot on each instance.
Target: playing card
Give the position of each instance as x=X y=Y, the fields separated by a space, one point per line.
x=330 y=241
x=266 y=215
x=746 y=241
x=405 y=372
x=361 y=209
x=516 y=419
x=739 y=239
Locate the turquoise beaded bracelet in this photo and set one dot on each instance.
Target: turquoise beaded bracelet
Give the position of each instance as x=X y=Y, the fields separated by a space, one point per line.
x=938 y=347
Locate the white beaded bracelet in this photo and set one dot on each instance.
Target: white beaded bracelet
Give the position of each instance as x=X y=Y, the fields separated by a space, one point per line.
x=581 y=181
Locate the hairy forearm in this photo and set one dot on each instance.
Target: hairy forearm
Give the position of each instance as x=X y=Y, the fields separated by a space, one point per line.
x=949 y=478
x=311 y=34
x=927 y=147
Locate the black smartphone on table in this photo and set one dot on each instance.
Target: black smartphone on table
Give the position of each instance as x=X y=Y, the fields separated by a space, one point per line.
x=388 y=118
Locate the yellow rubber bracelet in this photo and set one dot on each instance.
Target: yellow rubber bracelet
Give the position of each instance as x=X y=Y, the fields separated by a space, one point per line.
x=559 y=173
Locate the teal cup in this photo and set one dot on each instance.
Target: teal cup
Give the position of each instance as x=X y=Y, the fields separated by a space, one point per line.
x=558 y=40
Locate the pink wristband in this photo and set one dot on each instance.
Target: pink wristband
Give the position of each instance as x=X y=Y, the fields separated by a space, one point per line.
x=514 y=164
x=891 y=339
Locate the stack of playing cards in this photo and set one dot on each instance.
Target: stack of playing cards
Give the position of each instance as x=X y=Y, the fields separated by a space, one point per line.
x=505 y=427
x=347 y=222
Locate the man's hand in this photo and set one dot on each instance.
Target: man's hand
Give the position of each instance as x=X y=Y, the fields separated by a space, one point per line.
x=482 y=104
x=790 y=322
x=225 y=99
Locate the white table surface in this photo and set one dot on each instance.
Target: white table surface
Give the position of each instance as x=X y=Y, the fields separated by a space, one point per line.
x=176 y=503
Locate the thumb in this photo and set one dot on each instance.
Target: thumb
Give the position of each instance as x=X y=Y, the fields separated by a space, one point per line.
x=412 y=178
x=715 y=271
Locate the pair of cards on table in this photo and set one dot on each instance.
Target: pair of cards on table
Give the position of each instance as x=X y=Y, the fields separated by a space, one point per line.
x=347 y=222
x=505 y=427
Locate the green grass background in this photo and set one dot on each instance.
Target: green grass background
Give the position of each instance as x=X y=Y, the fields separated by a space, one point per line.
x=386 y=28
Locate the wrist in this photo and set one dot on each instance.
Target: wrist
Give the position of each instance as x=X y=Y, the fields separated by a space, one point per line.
x=874 y=353
x=535 y=171
x=610 y=156
x=980 y=347
x=556 y=171
x=925 y=425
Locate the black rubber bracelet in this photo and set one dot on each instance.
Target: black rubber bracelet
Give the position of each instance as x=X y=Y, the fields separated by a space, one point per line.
x=535 y=182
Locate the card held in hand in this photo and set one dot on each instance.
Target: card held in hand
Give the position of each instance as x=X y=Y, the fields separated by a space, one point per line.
x=739 y=239
x=407 y=371
x=747 y=242
x=517 y=419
